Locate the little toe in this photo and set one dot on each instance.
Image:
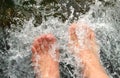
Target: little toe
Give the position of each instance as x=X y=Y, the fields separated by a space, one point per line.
x=36 y=44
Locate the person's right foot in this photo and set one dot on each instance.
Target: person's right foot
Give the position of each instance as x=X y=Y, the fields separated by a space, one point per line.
x=82 y=43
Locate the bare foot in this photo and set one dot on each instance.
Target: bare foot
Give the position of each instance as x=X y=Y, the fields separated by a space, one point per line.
x=45 y=57
x=82 y=43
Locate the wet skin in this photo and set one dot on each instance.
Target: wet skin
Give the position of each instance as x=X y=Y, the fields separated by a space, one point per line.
x=83 y=46
x=88 y=52
x=45 y=65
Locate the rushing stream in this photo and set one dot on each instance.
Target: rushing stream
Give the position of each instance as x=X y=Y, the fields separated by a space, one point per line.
x=15 y=43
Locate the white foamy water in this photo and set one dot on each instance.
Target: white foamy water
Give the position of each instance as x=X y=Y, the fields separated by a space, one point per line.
x=103 y=20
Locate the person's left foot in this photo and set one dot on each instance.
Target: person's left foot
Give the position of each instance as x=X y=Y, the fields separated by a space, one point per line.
x=45 y=57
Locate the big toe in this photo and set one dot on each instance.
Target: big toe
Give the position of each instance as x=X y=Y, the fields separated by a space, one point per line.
x=50 y=38
x=72 y=32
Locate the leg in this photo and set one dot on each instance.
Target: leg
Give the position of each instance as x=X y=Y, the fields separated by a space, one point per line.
x=83 y=44
x=44 y=57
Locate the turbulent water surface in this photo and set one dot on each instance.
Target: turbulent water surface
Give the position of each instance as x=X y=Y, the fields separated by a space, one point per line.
x=102 y=16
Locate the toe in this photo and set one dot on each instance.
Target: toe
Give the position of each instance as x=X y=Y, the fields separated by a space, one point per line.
x=45 y=44
x=50 y=38
x=39 y=40
x=33 y=50
x=36 y=44
x=90 y=34
x=72 y=32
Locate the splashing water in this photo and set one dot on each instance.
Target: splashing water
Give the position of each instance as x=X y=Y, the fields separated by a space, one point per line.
x=103 y=20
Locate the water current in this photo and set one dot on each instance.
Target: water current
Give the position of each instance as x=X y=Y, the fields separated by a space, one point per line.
x=104 y=19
